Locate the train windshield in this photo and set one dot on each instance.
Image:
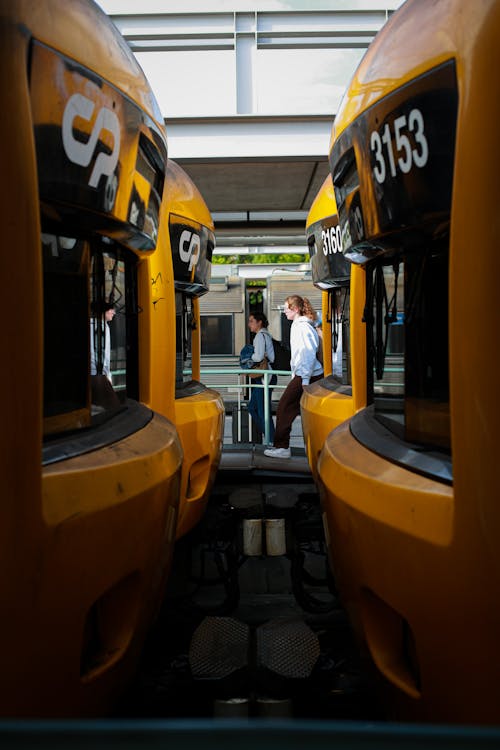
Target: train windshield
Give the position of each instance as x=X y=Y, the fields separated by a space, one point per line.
x=407 y=323
x=65 y=319
x=338 y=314
x=113 y=323
x=184 y=326
x=90 y=330
x=385 y=338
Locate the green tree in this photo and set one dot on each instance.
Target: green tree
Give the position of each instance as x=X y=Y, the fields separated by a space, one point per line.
x=271 y=258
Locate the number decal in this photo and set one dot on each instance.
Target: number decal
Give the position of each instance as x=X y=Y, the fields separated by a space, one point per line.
x=326 y=242
x=407 y=157
x=332 y=240
x=376 y=146
x=402 y=144
x=386 y=138
x=416 y=119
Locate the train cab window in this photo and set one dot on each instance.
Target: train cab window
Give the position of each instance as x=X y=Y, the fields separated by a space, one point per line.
x=184 y=326
x=338 y=313
x=384 y=313
x=113 y=326
x=65 y=321
x=427 y=397
x=90 y=331
x=217 y=334
x=407 y=323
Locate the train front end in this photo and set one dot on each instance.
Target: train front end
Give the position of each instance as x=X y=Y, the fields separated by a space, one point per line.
x=330 y=401
x=198 y=410
x=409 y=484
x=90 y=475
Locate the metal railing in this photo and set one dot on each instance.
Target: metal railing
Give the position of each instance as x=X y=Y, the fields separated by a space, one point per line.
x=240 y=385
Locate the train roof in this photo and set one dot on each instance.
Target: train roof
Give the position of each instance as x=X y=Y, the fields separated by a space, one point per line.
x=324 y=204
x=183 y=197
x=81 y=30
x=399 y=54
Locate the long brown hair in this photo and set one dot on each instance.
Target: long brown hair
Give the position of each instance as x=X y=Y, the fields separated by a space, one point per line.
x=303 y=305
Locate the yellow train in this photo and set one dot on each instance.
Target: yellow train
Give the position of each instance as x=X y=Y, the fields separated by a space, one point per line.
x=328 y=402
x=90 y=475
x=199 y=411
x=410 y=485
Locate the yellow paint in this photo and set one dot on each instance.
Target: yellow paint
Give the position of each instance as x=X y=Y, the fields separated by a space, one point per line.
x=417 y=561
x=85 y=543
x=323 y=408
x=199 y=418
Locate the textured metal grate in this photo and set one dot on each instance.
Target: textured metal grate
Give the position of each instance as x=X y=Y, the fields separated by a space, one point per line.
x=219 y=647
x=288 y=648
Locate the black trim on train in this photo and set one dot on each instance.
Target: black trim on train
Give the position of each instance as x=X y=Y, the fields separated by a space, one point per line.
x=329 y=268
x=384 y=206
x=189 y=389
x=127 y=420
x=331 y=383
x=368 y=429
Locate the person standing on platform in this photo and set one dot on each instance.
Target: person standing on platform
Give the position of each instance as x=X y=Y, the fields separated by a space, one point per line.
x=263 y=347
x=305 y=367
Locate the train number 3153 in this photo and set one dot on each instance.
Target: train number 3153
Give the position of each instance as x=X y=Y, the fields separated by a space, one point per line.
x=397 y=138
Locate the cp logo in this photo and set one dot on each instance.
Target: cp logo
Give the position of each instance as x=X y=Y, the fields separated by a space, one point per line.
x=82 y=153
x=189 y=248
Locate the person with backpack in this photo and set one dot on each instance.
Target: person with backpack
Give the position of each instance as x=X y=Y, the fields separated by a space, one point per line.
x=305 y=368
x=262 y=347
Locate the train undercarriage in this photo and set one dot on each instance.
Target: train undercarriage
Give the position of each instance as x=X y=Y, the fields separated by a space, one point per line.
x=251 y=625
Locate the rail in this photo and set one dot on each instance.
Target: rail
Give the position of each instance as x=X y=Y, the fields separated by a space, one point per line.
x=244 y=383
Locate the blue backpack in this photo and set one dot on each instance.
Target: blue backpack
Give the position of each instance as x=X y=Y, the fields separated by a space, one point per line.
x=246 y=360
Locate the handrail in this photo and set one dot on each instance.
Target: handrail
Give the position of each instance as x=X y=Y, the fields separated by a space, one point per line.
x=239 y=371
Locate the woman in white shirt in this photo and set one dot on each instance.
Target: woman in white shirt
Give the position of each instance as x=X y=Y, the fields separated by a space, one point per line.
x=305 y=367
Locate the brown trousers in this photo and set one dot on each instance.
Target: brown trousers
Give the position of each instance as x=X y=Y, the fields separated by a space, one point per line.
x=288 y=409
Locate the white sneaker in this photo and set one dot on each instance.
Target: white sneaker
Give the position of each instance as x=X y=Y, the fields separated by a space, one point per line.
x=278 y=452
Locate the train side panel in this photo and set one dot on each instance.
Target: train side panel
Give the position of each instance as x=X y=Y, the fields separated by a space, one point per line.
x=411 y=512
x=198 y=410
x=87 y=538
x=200 y=423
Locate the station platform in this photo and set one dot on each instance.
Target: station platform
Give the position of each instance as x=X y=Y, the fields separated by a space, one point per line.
x=249 y=457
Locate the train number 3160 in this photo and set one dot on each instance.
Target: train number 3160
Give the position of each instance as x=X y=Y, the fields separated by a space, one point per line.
x=332 y=240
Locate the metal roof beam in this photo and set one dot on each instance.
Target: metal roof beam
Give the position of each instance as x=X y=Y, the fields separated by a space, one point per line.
x=350 y=29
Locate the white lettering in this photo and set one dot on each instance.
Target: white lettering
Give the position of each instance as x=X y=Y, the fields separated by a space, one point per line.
x=416 y=121
x=408 y=157
x=82 y=153
x=189 y=248
x=332 y=240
